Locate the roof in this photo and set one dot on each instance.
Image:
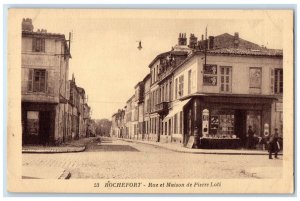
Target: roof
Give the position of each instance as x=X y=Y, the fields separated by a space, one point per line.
x=45 y=34
x=146 y=77
x=164 y=54
x=251 y=52
x=226 y=40
x=236 y=52
x=130 y=98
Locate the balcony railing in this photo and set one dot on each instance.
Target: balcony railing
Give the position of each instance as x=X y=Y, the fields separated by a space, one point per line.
x=166 y=72
x=162 y=107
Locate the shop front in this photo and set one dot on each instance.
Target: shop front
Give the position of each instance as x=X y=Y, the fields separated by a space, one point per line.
x=219 y=121
x=38 y=123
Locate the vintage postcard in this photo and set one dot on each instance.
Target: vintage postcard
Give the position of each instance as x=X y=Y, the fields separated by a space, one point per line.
x=150 y=101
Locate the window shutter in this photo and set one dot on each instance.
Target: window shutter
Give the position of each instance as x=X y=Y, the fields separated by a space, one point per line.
x=43 y=45
x=33 y=44
x=30 y=79
x=272 y=81
x=46 y=81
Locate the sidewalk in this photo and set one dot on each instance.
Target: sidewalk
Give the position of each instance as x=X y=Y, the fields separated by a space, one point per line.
x=179 y=148
x=34 y=172
x=72 y=146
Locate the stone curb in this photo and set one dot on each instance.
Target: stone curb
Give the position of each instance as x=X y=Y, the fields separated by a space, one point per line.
x=203 y=152
x=54 y=151
x=70 y=149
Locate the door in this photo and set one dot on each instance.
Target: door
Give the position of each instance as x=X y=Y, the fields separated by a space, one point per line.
x=240 y=126
x=44 y=125
x=188 y=127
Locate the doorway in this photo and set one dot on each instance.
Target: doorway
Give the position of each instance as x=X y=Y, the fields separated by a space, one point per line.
x=44 y=127
x=240 y=126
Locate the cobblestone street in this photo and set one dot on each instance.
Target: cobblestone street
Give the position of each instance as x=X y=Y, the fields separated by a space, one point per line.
x=122 y=160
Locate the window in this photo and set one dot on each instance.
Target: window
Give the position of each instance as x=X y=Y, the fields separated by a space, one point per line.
x=38 y=45
x=225 y=79
x=162 y=93
x=166 y=128
x=210 y=75
x=176 y=88
x=278 y=84
x=166 y=92
x=180 y=91
x=175 y=124
x=33 y=123
x=193 y=79
x=170 y=91
x=180 y=123
x=37 y=80
x=189 y=81
x=170 y=126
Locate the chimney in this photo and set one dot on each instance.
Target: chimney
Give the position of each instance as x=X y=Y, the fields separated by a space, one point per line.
x=202 y=37
x=27 y=25
x=211 y=42
x=236 y=40
x=182 y=39
x=193 y=41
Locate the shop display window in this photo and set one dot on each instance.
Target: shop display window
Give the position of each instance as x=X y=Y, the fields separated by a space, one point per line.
x=33 y=122
x=222 y=124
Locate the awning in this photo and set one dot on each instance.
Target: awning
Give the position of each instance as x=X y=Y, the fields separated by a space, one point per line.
x=177 y=107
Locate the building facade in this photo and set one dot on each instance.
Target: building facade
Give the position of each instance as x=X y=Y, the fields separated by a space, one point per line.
x=209 y=92
x=45 y=67
x=51 y=104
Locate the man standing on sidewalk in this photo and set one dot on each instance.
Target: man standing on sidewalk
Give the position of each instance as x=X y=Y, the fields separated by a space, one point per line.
x=273 y=144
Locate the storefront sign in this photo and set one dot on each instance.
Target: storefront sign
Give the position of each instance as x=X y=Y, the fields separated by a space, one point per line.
x=210 y=80
x=210 y=75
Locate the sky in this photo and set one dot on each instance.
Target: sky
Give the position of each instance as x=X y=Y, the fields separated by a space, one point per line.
x=106 y=61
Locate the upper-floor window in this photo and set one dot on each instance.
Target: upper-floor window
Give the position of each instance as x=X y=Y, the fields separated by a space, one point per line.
x=38 y=45
x=210 y=73
x=255 y=78
x=170 y=91
x=189 y=81
x=181 y=85
x=278 y=84
x=37 y=80
x=176 y=87
x=225 y=73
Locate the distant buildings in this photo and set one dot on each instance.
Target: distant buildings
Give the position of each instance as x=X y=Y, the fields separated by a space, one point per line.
x=52 y=106
x=207 y=93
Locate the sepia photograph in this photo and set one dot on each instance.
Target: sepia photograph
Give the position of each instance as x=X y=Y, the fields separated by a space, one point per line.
x=150 y=101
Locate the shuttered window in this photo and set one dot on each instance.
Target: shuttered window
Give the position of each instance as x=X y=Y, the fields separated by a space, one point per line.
x=37 y=80
x=278 y=87
x=181 y=81
x=225 y=79
x=272 y=80
x=38 y=45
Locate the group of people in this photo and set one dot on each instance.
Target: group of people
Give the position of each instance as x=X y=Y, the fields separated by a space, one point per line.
x=271 y=142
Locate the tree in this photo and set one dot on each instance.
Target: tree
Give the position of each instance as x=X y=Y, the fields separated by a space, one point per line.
x=103 y=127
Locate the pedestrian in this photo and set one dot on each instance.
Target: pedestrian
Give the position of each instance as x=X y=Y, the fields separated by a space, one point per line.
x=273 y=144
x=250 y=139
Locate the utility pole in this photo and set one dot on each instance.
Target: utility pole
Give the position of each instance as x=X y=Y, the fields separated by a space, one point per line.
x=205 y=48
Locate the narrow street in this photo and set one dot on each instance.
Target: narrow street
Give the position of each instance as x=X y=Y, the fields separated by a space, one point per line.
x=125 y=160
